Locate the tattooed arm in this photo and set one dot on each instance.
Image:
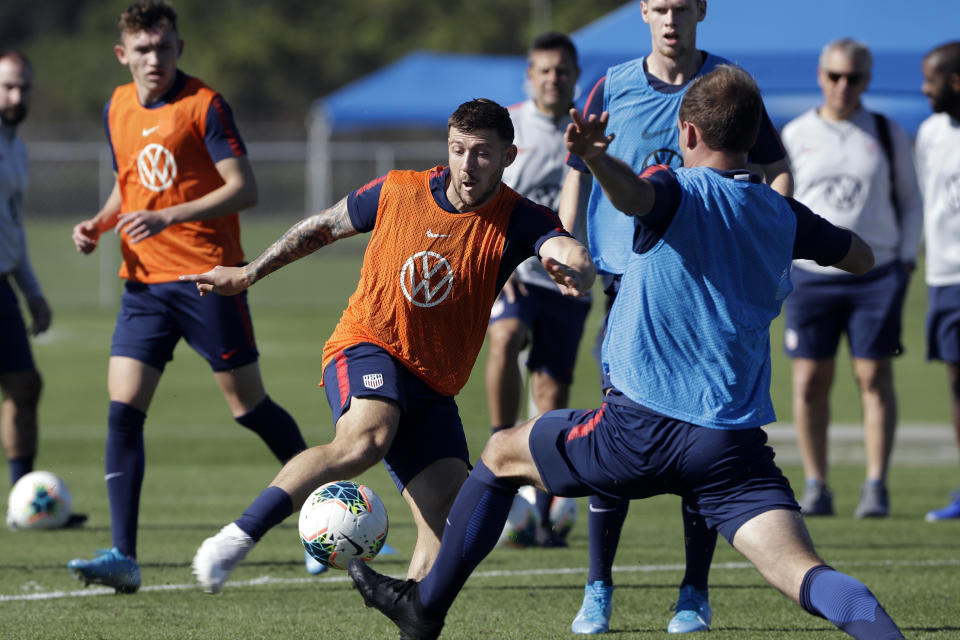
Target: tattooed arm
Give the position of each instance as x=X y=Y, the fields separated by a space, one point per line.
x=300 y=240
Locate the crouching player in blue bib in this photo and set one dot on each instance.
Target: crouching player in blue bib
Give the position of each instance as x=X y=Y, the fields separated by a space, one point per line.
x=688 y=353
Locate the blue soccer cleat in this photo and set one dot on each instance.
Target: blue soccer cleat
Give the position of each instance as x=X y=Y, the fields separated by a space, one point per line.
x=314 y=566
x=594 y=614
x=949 y=512
x=110 y=568
x=693 y=612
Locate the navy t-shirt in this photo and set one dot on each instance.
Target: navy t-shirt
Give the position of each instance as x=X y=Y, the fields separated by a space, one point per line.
x=816 y=238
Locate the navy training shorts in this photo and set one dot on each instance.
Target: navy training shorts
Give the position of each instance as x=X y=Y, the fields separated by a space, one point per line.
x=943 y=323
x=153 y=318
x=555 y=324
x=623 y=450
x=430 y=428
x=15 y=353
x=869 y=308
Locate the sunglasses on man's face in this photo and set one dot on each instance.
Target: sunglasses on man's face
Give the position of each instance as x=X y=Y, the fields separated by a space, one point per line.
x=852 y=78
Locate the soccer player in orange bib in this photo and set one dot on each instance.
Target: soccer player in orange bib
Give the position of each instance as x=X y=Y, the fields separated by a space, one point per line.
x=182 y=175
x=442 y=244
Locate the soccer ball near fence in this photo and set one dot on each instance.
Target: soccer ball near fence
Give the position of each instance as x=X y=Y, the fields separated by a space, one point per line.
x=343 y=520
x=39 y=500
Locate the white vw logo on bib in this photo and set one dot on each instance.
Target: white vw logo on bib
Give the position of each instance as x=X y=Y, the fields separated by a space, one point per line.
x=157 y=167
x=426 y=279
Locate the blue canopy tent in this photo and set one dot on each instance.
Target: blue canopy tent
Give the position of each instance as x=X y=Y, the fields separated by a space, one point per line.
x=778 y=42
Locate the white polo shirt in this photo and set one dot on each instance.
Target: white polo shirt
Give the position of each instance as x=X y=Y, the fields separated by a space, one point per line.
x=841 y=172
x=938 y=167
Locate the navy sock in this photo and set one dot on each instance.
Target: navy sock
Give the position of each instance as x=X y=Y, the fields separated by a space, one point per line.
x=276 y=428
x=124 y=469
x=699 y=543
x=542 y=507
x=847 y=603
x=605 y=522
x=473 y=527
x=270 y=508
x=19 y=467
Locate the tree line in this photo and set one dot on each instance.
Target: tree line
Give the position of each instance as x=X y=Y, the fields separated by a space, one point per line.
x=270 y=59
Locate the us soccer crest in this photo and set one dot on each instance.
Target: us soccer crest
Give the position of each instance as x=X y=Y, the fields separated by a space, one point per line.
x=373 y=380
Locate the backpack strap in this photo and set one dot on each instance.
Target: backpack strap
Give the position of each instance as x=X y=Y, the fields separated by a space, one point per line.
x=883 y=132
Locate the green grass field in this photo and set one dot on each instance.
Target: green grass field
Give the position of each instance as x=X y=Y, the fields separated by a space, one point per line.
x=203 y=469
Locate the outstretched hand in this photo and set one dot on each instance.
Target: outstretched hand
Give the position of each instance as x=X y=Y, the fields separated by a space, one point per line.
x=586 y=138
x=571 y=281
x=227 y=281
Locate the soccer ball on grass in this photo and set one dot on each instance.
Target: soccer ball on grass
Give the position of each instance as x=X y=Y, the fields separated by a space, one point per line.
x=39 y=500
x=521 y=525
x=343 y=520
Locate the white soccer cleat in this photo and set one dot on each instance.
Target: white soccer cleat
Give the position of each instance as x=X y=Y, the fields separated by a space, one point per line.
x=217 y=556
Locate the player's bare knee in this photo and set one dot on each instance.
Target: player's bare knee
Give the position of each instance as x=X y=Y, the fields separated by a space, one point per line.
x=506 y=336
x=364 y=450
x=507 y=454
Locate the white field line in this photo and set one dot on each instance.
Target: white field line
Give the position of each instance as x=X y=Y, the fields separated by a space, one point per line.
x=267 y=580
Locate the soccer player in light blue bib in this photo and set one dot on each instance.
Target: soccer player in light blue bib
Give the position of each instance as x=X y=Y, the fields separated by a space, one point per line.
x=688 y=354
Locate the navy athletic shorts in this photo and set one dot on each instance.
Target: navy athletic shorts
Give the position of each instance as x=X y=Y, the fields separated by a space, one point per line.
x=624 y=450
x=555 y=324
x=868 y=308
x=943 y=324
x=153 y=318
x=430 y=428
x=15 y=353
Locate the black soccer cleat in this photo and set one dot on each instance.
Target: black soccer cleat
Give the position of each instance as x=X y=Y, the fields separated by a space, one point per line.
x=75 y=521
x=399 y=600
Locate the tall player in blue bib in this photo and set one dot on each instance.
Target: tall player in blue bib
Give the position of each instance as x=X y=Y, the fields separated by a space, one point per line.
x=643 y=98
x=709 y=269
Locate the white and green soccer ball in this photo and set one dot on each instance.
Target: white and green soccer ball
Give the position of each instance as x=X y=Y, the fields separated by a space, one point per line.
x=343 y=520
x=563 y=512
x=521 y=526
x=39 y=500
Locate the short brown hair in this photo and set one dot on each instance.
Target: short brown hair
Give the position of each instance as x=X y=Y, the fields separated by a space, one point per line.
x=552 y=40
x=147 y=15
x=726 y=106
x=480 y=114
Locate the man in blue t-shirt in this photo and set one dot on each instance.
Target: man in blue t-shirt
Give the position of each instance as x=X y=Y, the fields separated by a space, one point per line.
x=709 y=265
x=643 y=97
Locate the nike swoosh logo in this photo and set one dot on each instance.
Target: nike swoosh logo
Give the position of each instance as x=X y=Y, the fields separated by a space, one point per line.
x=147 y=132
x=431 y=234
x=111 y=476
x=229 y=354
x=358 y=548
x=593 y=509
x=650 y=135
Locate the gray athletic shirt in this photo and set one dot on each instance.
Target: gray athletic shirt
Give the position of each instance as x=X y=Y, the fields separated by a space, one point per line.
x=538 y=172
x=13 y=241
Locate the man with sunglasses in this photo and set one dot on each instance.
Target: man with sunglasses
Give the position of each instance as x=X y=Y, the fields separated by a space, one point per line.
x=854 y=168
